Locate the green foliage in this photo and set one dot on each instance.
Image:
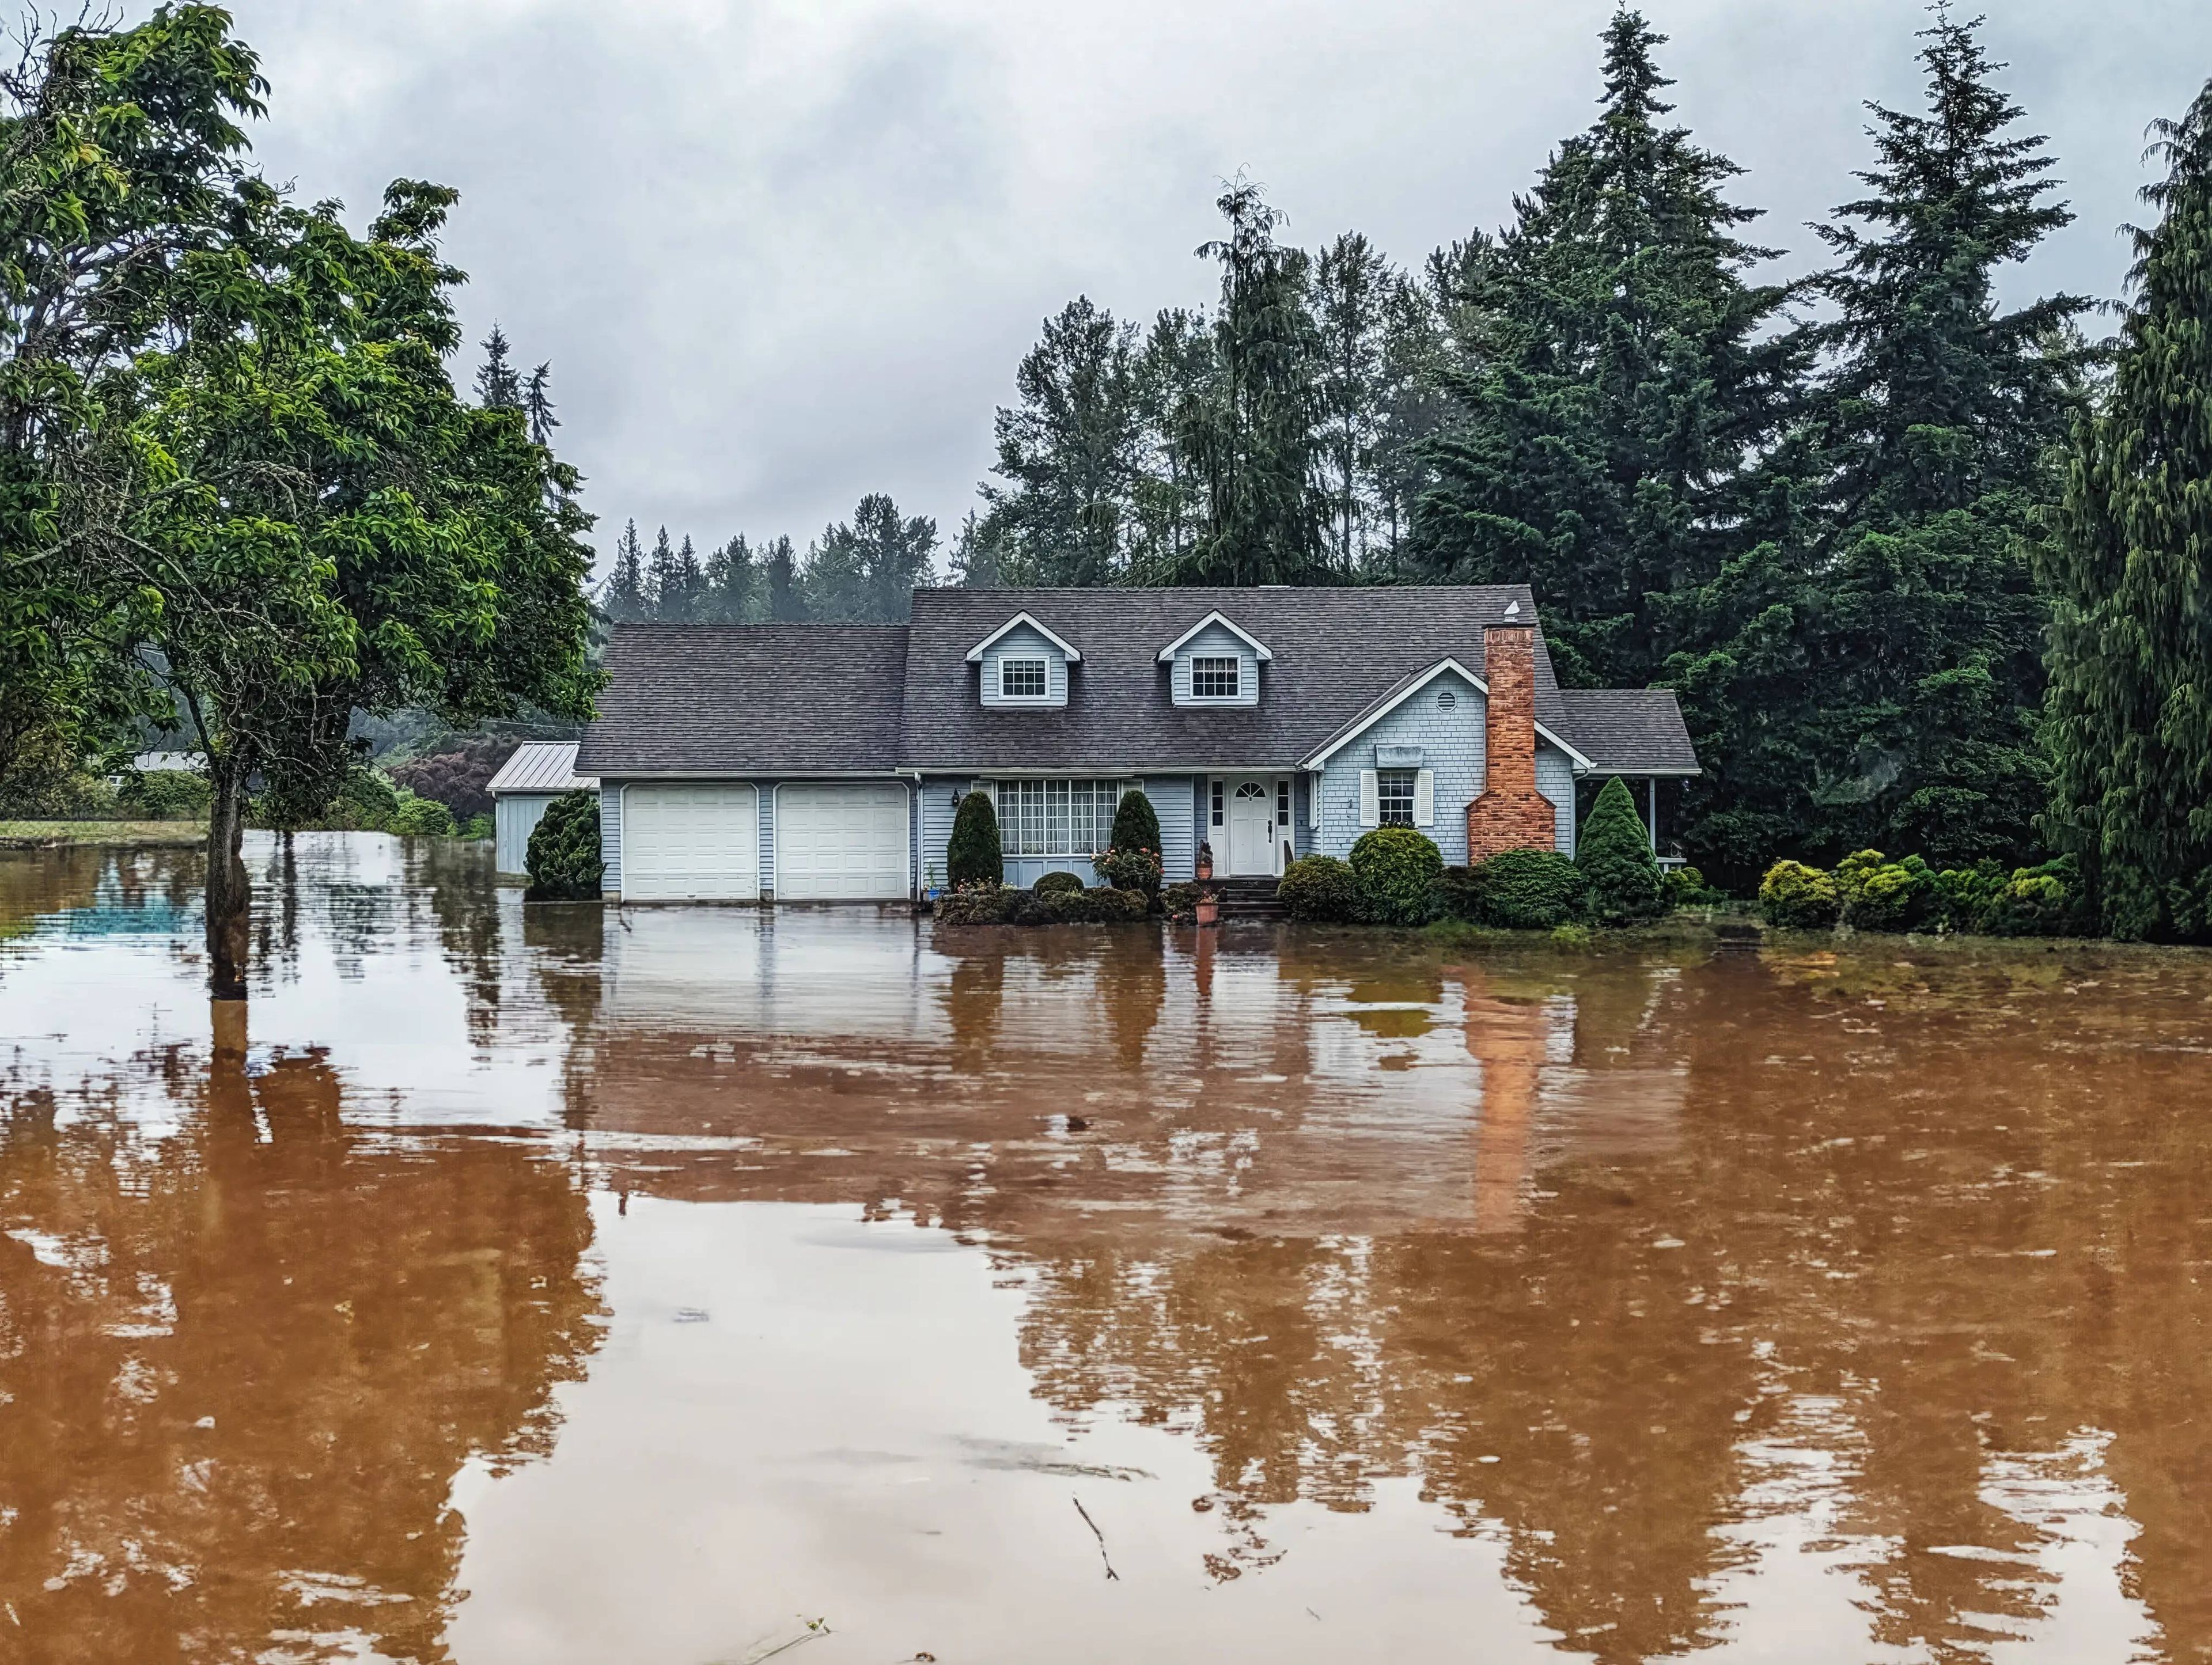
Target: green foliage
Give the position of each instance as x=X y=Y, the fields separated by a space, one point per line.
x=2049 y=901
x=1130 y=870
x=480 y=828
x=1180 y=902
x=867 y=569
x=1396 y=870
x=1876 y=894
x=1520 y=890
x=1320 y=888
x=563 y=859
x=173 y=795
x=980 y=903
x=1685 y=887
x=2129 y=561
x=422 y=817
x=973 y=855
x=1798 y=897
x=1136 y=826
x=1003 y=904
x=1614 y=854
x=1049 y=884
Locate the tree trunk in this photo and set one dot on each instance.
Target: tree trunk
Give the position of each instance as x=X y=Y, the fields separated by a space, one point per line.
x=230 y=895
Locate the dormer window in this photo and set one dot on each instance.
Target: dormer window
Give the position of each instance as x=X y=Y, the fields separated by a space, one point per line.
x=1023 y=679
x=1212 y=678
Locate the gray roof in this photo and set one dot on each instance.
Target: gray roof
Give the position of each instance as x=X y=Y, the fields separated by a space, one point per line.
x=1629 y=731
x=792 y=699
x=541 y=766
x=1336 y=652
x=821 y=699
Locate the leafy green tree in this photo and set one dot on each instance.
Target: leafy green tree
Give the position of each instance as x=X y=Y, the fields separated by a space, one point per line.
x=1352 y=286
x=622 y=597
x=1871 y=676
x=867 y=569
x=1068 y=450
x=1173 y=373
x=1614 y=853
x=1616 y=369
x=499 y=384
x=2129 y=561
x=973 y=855
x=1251 y=435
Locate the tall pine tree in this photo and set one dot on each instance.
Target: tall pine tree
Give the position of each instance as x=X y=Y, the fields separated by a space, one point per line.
x=731 y=579
x=2129 y=565
x=1352 y=289
x=1617 y=368
x=866 y=570
x=787 y=600
x=622 y=595
x=498 y=386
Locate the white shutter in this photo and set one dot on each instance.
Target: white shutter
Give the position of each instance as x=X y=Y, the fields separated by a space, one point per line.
x=1371 y=800
x=1424 y=798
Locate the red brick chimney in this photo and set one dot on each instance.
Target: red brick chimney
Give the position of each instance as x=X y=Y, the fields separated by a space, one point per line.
x=1512 y=814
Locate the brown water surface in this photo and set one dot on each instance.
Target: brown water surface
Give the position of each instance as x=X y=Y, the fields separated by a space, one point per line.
x=544 y=1285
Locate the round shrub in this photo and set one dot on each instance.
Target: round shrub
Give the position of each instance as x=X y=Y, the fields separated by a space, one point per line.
x=1180 y=902
x=1798 y=898
x=977 y=904
x=974 y=856
x=422 y=817
x=1110 y=907
x=1895 y=896
x=1614 y=852
x=1320 y=888
x=563 y=858
x=1050 y=883
x=1396 y=870
x=1685 y=887
x=1526 y=890
x=1135 y=826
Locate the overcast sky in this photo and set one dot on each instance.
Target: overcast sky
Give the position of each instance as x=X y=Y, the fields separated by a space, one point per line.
x=783 y=254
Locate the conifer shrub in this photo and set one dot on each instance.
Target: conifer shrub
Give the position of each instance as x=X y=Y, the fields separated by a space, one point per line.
x=1111 y=907
x=1796 y=897
x=563 y=859
x=1524 y=890
x=1396 y=870
x=1135 y=825
x=1049 y=884
x=977 y=904
x=1874 y=893
x=1614 y=854
x=973 y=855
x=1320 y=888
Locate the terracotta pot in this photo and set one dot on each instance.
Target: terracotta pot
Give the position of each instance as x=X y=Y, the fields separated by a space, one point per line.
x=1205 y=866
x=1209 y=908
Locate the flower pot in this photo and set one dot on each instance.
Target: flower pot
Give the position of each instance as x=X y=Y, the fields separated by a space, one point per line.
x=1209 y=908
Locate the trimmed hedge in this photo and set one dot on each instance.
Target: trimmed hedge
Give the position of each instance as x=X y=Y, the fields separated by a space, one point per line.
x=1320 y=888
x=974 y=856
x=1614 y=852
x=1048 y=883
x=1396 y=869
x=1006 y=904
x=1798 y=897
x=1519 y=891
x=1869 y=892
x=563 y=859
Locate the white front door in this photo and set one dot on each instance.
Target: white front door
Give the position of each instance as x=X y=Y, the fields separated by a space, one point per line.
x=1251 y=829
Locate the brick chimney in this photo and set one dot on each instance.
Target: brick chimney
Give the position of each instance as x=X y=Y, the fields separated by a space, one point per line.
x=1512 y=814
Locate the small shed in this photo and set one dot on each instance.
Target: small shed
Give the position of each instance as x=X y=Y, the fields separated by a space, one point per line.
x=539 y=772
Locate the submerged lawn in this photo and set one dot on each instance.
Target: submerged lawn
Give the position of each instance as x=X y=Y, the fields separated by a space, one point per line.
x=39 y=834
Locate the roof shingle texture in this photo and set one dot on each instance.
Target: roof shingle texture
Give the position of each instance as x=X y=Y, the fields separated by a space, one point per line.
x=794 y=699
x=1637 y=731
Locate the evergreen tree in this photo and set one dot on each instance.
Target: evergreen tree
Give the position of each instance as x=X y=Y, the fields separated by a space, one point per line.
x=1874 y=678
x=1352 y=289
x=982 y=557
x=787 y=602
x=537 y=405
x=1069 y=449
x=680 y=584
x=1616 y=369
x=665 y=593
x=730 y=582
x=1172 y=373
x=1614 y=854
x=623 y=595
x=2129 y=564
x=498 y=386
x=1251 y=435
x=866 y=570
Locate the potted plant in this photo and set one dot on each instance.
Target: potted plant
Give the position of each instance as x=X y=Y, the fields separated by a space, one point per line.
x=1208 y=910
x=1205 y=860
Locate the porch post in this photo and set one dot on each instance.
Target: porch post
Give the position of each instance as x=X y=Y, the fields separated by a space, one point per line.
x=1654 y=784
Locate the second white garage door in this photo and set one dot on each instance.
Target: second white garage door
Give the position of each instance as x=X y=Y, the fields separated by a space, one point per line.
x=841 y=843
x=690 y=843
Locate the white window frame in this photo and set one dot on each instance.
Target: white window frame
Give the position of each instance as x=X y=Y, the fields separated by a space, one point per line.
x=1386 y=800
x=1043 y=665
x=1214 y=662
x=1027 y=802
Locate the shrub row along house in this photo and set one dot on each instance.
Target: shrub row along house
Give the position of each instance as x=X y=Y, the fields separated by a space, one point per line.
x=818 y=763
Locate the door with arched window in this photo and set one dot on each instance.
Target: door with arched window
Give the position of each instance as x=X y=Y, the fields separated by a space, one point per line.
x=1252 y=829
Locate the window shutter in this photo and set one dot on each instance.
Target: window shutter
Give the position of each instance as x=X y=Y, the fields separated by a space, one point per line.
x=1371 y=800
x=1424 y=798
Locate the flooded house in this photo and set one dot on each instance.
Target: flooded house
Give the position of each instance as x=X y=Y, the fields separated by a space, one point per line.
x=758 y=762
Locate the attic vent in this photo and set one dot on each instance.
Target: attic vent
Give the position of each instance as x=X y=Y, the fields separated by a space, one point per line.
x=1446 y=699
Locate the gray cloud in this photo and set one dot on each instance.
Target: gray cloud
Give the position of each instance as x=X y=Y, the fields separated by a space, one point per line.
x=784 y=254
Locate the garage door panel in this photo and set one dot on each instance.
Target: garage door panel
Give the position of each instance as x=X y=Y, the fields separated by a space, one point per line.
x=841 y=842
x=691 y=843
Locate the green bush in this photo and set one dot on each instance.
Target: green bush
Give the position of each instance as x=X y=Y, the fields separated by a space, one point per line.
x=167 y=794
x=974 y=856
x=1180 y=902
x=1522 y=890
x=1614 y=853
x=1396 y=870
x=1050 y=883
x=1885 y=895
x=1320 y=888
x=1135 y=826
x=1687 y=888
x=422 y=817
x=1130 y=869
x=1003 y=904
x=2049 y=901
x=975 y=905
x=1798 y=897
x=482 y=828
x=563 y=859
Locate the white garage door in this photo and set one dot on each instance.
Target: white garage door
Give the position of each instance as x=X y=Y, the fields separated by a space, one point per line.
x=841 y=843
x=693 y=843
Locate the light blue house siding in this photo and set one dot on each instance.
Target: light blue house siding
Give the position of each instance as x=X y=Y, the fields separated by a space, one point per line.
x=610 y=836
x=1215 y=642
x=610 y=824
x=1172 y=801
x=1451 y=742
x=1023 y=643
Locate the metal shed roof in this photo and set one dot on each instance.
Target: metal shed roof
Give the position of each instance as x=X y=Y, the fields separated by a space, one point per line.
x=541 y=766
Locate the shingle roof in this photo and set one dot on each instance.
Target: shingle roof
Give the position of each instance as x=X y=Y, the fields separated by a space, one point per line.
x=795 y=699
x=1336 y=652
x=540 y=766
x=1633 y=730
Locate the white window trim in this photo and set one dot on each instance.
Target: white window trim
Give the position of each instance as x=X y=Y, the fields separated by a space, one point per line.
x=1259 y=647
x=975 y=654
x=1005 y=659
x=1236 y=698
x=1102 y=819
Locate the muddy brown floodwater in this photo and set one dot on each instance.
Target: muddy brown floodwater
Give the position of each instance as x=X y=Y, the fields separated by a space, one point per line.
x=535 y=1285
